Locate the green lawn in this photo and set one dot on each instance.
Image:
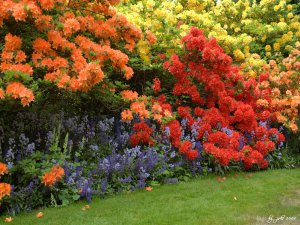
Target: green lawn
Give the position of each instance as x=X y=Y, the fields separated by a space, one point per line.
x=244 y=200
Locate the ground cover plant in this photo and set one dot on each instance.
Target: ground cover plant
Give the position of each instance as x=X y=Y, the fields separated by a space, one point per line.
x=93 y=103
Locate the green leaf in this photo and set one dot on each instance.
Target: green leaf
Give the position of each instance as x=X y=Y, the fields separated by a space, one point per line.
x=75 y=197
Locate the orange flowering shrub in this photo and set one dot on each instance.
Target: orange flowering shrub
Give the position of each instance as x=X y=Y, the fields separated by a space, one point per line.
x=53 y=176
x=5 y=188
x=72 y=45
x=281 y=94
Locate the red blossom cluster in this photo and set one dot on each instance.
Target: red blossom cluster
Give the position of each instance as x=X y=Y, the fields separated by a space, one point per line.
x=156 y=85
x=142 y=134
x=175 y=132
x=186 y=149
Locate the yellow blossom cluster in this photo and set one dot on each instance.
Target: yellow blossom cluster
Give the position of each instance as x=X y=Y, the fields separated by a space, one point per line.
x=242 y=27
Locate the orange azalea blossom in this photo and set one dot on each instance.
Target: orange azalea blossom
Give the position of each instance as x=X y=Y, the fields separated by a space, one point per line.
x=53 y=176
x=157 y=117
x=3 y=169
x=24 y=68
x=71 y=26
x=12 y=42
x=20 y=57
x=12 y=57
x=140 y=109
x=48 y=179
x=7 y=56
x=275 y=92
x=39 y=214
x=280 y=118
x=144 y=98
x=288 y=93
x=137 y=107
x=293 y=127
x=18 y=90
x=5 y=190
x=128 y=72
x=144 y=114
x=262 y=102
x=126 y=115
x=156 y=108
x=58 y=171
x=150 y=37
x=129 y=95
x=167 y=113
x=44 y=22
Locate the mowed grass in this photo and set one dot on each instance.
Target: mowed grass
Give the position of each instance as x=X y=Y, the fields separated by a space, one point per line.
x=241 y=199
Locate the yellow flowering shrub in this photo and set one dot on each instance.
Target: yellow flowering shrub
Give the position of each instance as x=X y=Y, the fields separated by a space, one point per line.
x=241 y=28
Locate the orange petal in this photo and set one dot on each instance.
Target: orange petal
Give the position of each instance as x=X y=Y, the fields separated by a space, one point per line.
x=39 y=214
x=8 y=219
x=149 y=188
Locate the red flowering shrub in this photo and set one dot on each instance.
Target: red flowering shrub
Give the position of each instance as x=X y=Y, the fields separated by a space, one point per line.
x=72 y=45
x=221 y=106
x=217 y=105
